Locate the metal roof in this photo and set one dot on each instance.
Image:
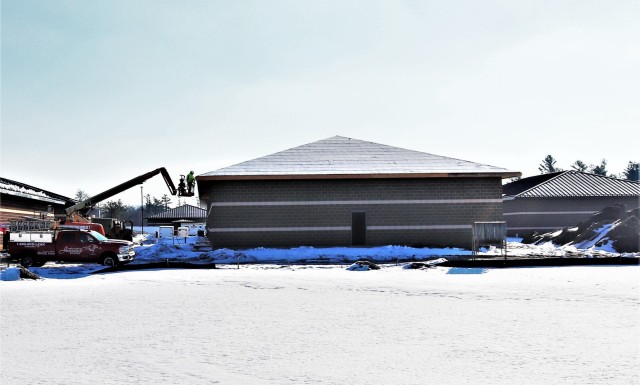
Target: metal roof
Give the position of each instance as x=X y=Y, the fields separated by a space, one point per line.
x=518 y=186
x=572 y=184
x=11 y=187
x=182 y=212
x=348 y=157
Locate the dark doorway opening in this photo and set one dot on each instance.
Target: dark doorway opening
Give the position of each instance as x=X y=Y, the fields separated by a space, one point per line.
x=358 y=229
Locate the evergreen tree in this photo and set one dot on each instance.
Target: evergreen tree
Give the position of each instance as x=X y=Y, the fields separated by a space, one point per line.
x=153 y=206
x=81 y=195
x=579 y=165
x=166 y=201
x=548 y=165
x=600 y=169
x=159 y=205
x=632 y=171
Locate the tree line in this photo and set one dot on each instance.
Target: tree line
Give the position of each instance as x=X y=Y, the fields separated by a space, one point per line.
x=117 y=209
x=631 y=172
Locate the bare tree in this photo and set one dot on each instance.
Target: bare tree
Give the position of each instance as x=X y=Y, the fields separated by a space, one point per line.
x=114 y=209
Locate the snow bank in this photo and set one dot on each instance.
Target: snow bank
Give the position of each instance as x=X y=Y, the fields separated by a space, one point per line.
x=363 y=266
x=153 y=250
x=10 y=274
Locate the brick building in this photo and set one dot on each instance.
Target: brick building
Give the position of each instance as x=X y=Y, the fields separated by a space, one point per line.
x=20 y=201
x=554 y=201
x=342 y=192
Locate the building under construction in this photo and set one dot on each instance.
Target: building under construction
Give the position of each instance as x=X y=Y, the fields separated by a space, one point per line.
x=343 y=192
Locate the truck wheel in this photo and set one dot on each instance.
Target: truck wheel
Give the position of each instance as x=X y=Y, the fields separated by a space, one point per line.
x=27 y=261
x=110 y=261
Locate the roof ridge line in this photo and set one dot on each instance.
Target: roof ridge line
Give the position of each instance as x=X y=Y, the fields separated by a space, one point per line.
x=419 y=152
x=278 y=152
x=606 y=176
x=624 y=187
x=563 y=172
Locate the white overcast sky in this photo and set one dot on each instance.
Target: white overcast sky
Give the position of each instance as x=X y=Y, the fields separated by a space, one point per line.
x=95 y=92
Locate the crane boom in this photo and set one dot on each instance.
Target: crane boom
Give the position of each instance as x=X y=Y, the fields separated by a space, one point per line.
x=86 y=205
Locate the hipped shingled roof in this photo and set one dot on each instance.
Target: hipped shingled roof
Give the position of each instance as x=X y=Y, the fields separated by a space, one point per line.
x=341 y=157
x=571 y=184
x=184 y=211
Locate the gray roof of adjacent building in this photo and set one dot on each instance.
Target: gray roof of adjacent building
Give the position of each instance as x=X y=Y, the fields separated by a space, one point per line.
x=571 y=184
x=12 y=187
x=339 y=156
x=184 y=211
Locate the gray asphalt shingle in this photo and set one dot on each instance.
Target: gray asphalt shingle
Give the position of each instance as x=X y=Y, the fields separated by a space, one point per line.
x=346 y=156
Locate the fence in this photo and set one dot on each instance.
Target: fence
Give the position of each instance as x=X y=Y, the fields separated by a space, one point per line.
x=489 y=234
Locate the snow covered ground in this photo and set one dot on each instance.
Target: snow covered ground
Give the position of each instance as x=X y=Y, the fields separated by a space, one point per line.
x=271 y=324
x=181 y=249
x=290 y=323
x=152 y=250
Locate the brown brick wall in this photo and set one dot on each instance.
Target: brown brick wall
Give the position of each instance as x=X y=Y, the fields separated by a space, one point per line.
x=338 y=216
x=16 y=208
x=547 y=222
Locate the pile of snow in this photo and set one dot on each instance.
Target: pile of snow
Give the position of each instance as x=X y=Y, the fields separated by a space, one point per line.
x=181 y=249
x=161 y=249
x=425 y=265
x=10 y=274
x=548 y=249
x=363 y=266
x=612 y=230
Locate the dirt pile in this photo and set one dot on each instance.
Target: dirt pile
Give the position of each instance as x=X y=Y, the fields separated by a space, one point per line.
x=363 y=266
x=626 y=236
x=612 y=228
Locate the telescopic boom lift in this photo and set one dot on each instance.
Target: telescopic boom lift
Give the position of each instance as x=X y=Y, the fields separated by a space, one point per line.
x=83 y=207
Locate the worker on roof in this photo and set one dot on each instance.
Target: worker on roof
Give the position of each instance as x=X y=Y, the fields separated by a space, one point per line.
x=191 y=179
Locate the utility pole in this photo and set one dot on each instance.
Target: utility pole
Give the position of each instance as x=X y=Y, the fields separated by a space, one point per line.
x=142 y=208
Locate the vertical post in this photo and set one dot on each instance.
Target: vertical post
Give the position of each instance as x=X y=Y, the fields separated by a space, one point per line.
x=142 y=208
x=504 y=242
